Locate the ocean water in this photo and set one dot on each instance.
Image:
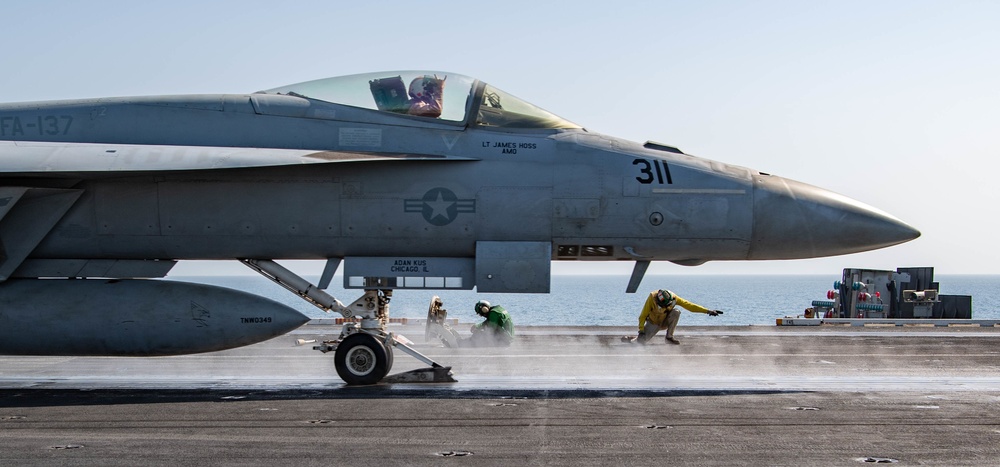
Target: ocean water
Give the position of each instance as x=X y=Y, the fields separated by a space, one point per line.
x=601 y=300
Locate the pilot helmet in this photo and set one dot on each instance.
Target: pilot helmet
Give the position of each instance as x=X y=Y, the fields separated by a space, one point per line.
x=426 y=87
x=480 y=305
x=664 y=298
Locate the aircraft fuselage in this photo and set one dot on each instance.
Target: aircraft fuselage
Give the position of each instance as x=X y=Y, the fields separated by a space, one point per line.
x=572 y=189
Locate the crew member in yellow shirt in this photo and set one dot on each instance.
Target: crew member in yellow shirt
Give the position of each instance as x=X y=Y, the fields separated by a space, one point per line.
x=660 y=311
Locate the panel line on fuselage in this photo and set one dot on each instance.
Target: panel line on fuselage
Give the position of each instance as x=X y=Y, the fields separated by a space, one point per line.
x=698 y=191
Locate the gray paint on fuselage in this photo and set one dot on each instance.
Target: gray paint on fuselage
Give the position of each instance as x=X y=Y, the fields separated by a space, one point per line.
x=562 y=186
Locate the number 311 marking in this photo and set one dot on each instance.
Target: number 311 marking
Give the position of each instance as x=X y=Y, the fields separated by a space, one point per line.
x=647 y=171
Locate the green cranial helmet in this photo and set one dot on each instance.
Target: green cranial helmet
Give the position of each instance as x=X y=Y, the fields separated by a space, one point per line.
x=664 y=298
x=483 y=307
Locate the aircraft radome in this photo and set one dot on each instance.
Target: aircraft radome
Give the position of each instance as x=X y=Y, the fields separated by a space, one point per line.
x=413 y=180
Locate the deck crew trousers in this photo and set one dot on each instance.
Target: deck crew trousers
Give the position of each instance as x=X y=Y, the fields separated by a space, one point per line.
x=651 y=328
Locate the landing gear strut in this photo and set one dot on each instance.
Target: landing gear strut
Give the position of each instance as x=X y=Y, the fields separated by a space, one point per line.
x=363 y=352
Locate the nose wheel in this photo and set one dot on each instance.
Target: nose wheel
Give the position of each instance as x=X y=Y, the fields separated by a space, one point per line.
x=362 y=359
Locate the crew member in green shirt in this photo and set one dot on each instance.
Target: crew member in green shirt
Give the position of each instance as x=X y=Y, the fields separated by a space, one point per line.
x=497 y=329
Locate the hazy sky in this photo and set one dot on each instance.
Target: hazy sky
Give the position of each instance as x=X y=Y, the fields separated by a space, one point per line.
x=894 y=103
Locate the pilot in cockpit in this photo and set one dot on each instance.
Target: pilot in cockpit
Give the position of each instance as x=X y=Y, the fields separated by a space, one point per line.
x=426 y=94
x=425 y=97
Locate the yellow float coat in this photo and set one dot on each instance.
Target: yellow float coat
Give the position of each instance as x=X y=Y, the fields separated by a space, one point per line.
x=658 y=314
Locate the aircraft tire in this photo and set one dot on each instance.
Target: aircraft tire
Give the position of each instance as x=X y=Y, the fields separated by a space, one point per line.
x=361 y=359
x=389 y=357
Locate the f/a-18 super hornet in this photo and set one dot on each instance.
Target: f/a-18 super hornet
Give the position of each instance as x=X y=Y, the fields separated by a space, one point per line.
x=410 y=180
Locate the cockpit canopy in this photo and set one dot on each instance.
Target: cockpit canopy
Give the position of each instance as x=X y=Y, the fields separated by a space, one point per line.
x=441 y=96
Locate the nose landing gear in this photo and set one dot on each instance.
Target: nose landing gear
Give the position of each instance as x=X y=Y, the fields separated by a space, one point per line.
x=363 y=353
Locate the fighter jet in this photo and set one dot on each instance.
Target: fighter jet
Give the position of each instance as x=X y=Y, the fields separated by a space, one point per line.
x=411 y=180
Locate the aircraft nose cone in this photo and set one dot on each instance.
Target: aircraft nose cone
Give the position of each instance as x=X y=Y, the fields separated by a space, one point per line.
x=797 y=220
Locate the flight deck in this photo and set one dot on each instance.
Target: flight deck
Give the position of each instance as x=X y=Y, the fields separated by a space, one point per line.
x=821 y=395
x=840 y=358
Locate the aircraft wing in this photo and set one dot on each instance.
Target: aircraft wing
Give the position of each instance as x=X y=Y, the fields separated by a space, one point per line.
x=48 y=157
